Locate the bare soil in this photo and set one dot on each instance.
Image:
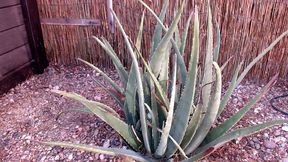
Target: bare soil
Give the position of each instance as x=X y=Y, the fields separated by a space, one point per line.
x=28 y=114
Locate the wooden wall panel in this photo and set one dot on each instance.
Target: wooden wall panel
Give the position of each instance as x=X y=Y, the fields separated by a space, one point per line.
x=12 y=16
x=12 y=39
x=5 y=3
x=14 y=59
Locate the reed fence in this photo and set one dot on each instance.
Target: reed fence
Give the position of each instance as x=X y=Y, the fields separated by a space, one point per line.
x=247 y=27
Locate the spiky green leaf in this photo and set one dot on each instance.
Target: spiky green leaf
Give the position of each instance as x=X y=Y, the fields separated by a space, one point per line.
x=260 y=56
x=159 y=53
x=166 y=130
x=106 y=114
x=210 y=115
x=116 y=61
x=230 y=89
x=242 y=132
x=101 y=150
x=208 y=77
x=106 y=77
x=184 y=107
x=229 y=123
x=218 y=43
x=185 y=34
x=139 y=85
x=158 y=29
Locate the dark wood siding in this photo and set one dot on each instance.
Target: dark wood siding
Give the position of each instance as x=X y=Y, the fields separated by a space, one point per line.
x=14 y=51
x=5 y=3
x=19 y=45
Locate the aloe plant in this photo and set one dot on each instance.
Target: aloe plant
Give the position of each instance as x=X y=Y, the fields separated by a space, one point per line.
x=171 y=114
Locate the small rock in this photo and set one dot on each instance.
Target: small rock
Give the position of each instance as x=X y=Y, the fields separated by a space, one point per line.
x=280 y=139
x=43 y=158
x=255 y=139
x=284 y=160
x=57 y=157
x=106 y=144
x=56 y=88
x=101 y=157
x=277 y=133
x=257 y=146
x=285 y=128
x=255 y=152
x=97 y=98
x=70 y=157
x=270 y=144
x=74 y=136
x=251 y=143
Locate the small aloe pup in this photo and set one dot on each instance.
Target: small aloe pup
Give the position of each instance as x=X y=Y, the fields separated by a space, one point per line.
x=169 y=112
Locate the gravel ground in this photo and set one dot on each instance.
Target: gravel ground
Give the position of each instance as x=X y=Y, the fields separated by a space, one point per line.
x=28 y=114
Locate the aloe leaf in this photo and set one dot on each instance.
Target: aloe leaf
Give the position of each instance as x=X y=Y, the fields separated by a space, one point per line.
x=261 y=55
x=176 y=144
x=140 y=32
x=116 y=61
x=81 y=110
x=162 y=47
x=158 y=29
x=230 y=89
x=130 y=97
x=156 y=82
x=185 y=34
x=116 y=95
x=164 y=73
x=184 y=107
x=139 y=85
x=212 y=146
x=218 y=43
x=166 y=130
x=192 y=127
x=101 y=150
x=226 y=63
x=207 y=77
x=178 y=37
x=106 y=77
x=180 y=59
x=131 y=86
x=154 y=124
x=229 y=123
x=210 y=115
x=117 y=124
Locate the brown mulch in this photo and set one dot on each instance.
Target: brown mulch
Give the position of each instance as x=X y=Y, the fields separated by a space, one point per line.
x=28 y=114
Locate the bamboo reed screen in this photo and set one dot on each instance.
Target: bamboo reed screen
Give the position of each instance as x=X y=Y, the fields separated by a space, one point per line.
x=247 y=27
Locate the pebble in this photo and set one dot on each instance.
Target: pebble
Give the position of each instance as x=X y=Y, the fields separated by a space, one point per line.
x=280 y=139
x=106 y=144
x=270 y=144
x=257 y=146
x=56 y=88
x=277 y=133
x=43 y=158
x=251 y=143
x=70 y=157
x=284 y=160
x=57 y=157
x=285 y=128
x=255 y=139
x=101 y=157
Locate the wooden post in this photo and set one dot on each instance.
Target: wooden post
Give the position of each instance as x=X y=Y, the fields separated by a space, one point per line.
x=35 y=37
x=110 y=15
